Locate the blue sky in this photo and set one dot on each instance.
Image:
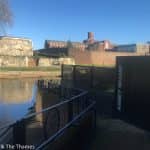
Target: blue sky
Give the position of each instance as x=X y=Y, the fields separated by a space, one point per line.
x=125 y=21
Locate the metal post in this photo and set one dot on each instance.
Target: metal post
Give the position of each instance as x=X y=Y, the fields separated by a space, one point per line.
x=94 y=118
x=74 y=76
x=19 y=133
x=70 y=111
x=62 y=70
x=91 y=76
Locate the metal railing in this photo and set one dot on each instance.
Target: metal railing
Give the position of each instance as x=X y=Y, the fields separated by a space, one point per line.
x=41 y=128
x=88 y=77
x=49 y=84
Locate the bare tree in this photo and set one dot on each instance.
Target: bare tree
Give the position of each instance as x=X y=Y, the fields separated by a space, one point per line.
x=5 y=15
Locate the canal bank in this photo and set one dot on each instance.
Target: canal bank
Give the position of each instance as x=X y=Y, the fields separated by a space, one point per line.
x=28 y=74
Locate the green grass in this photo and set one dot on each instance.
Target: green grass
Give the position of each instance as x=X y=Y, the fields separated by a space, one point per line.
x=52 y=68
x=103 y=66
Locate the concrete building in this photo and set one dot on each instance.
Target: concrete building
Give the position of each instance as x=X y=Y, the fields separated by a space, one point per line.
x=133 y=48
x=14 y=46
x=15 y=52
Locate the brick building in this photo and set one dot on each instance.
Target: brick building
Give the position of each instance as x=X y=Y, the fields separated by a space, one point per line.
x=92 y=51
x=50 y=44
x=89 y=44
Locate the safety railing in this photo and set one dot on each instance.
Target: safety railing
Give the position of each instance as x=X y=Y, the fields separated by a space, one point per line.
x=41 y=128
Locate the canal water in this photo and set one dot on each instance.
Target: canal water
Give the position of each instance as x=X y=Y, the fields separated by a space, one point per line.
x=17 y=97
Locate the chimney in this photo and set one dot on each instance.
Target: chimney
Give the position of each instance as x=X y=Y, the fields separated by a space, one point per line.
x=90 y=36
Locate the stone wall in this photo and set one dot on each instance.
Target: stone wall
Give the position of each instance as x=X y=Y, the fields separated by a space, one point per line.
x=11 y=46
x=23 y=61
x=43 y=62
x=15 y=61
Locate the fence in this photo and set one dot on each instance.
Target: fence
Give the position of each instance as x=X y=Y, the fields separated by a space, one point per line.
x=41 y=128
x=87 y=77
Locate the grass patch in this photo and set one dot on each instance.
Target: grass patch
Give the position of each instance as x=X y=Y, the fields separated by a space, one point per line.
x=92 y=65
x=52 y=68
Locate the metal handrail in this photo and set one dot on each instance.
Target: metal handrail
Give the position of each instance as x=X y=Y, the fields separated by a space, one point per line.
x=46 y=109
x=55 y=106
x=66 y=126
x=61 y=130
x=5 y=131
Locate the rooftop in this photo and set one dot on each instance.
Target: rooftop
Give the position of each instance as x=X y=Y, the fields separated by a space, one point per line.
x=12 y=37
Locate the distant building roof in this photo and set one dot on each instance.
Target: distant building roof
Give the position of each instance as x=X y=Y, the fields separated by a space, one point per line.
x=12 y=37
x=63 y=41
x=133 y=44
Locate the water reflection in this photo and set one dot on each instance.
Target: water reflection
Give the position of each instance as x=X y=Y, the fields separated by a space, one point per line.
x=31 y=99
x=16 y=97
x=15 y=90
x=36 y=128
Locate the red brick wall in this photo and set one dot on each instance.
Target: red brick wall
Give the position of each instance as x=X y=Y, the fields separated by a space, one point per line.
x=97 y=57
x=80 y=56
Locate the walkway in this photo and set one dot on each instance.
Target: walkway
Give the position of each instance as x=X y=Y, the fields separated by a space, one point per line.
x=116 y=134
x=111 y=134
